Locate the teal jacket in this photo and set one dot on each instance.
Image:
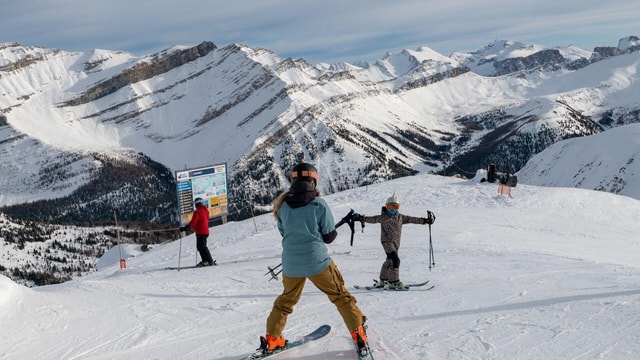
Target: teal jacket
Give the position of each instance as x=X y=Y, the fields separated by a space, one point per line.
x=306 y=225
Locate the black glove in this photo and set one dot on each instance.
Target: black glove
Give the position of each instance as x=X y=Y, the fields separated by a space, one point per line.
x=430 y=219
x=357 y=217
x=184 y=228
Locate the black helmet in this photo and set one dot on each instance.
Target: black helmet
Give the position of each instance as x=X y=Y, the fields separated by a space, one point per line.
x=198 y=201
x=304 y=172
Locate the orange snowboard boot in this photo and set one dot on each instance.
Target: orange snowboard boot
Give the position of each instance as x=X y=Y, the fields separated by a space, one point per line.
x=269 y=343
x=359 y=337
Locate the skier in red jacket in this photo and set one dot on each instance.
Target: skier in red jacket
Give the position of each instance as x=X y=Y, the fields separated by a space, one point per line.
x=200 y=225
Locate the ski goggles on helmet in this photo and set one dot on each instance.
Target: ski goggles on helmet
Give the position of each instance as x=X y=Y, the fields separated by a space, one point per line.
x=393 y=206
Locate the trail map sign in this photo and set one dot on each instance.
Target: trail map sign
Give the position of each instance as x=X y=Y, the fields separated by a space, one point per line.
x=208 y=183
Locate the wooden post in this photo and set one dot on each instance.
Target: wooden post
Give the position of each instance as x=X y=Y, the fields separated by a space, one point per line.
x=123 y=262
x=253 y=216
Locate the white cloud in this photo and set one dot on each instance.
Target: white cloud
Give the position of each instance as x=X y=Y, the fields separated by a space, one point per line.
x=327 y=31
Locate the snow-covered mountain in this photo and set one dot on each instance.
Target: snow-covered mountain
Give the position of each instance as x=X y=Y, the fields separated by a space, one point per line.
x=66 y=115
x=609 y=161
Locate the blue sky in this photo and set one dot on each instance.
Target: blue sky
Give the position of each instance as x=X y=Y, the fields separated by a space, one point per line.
x=318 y=31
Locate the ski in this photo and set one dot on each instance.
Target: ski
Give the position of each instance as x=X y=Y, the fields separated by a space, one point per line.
x=378 y=286
x=319 y=333
x=340 y=253
x=189 y=267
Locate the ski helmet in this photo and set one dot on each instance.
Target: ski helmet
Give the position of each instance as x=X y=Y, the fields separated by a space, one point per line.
x=198 y=201
x=304 y=172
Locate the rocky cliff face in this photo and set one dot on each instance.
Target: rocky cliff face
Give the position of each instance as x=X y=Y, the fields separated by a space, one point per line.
x=607 y=51
x=545 y=60
x=155 y=66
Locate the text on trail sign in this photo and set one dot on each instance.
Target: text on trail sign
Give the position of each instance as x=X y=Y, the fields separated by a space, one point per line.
x=208 y=183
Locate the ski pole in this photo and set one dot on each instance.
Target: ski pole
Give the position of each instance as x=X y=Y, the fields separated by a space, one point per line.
x=180 y=250
x=353 y=230
x=271 y=269
x=432 y=260
x=274 y=275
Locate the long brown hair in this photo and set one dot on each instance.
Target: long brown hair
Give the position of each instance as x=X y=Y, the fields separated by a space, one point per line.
x=278 y=203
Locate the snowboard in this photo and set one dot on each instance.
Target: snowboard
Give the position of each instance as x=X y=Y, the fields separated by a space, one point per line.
x=319 y=333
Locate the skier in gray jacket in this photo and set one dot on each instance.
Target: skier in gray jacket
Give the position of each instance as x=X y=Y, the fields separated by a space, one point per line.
x=391 y=221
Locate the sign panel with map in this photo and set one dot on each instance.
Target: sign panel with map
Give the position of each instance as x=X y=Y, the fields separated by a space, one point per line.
x=208 y=183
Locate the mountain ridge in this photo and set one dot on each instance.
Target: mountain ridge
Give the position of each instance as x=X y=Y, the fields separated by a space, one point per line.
x=410 y=112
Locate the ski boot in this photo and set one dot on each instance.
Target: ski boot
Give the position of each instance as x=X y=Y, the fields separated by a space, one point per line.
x=206 y=263
x=395 y=285
x=270 y=343
x=359 y=337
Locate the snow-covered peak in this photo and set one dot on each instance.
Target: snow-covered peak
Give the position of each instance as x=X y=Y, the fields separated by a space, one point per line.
x=13 y=55
x=425 y=53
x=340 y=66
x=628 y=42
x=572 y=53
x=505 y=49
x=99 y=59
x=406 y=61
x=172 y=49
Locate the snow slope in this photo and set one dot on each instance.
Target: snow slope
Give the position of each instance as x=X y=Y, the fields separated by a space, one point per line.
x=607 y=161
x=551 y=273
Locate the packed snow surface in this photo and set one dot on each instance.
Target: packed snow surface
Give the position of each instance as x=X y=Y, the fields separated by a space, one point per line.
x=550 y=273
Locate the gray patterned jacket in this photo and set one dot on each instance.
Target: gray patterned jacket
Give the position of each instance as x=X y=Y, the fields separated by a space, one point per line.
x=391 y=227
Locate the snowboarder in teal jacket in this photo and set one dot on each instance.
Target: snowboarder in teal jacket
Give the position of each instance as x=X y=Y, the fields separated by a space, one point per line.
x=306 y=225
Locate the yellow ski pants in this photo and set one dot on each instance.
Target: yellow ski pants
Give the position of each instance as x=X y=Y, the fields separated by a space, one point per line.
x=330 y=282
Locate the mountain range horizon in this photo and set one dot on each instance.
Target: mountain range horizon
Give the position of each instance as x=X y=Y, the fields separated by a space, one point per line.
x=410 y=112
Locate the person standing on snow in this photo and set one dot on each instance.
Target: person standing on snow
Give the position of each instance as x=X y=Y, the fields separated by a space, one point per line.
x=391 y=221
x=306 y=225
x=200 y=225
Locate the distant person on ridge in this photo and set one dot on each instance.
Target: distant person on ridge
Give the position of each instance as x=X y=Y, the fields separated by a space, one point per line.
x=391 y=221
x=200 y=225
x=306 y=225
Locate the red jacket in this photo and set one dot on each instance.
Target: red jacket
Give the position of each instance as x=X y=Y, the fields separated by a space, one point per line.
x=200 y=220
